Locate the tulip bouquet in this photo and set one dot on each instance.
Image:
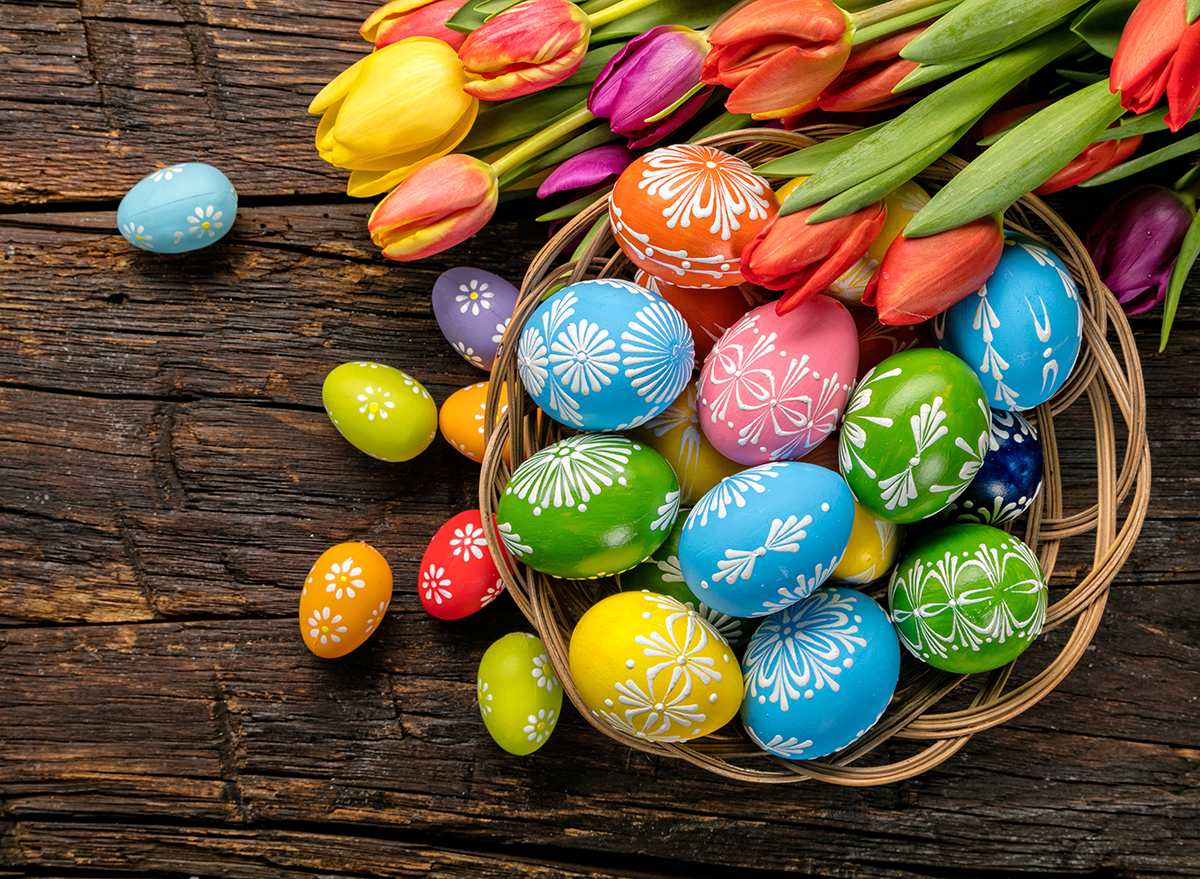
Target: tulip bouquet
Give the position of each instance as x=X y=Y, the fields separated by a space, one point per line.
x=460 y=105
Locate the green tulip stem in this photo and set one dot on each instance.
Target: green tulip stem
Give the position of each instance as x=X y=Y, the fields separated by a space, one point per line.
x=617 y=10
x=902 y=21
x=545 y=139
x=887 y=11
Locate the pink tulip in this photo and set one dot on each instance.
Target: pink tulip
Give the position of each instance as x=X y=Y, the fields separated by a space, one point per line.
x=524 y=49
x=441 y=204
x=401 y=19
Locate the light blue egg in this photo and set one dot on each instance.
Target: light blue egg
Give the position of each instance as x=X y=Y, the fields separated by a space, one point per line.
x=766 y=537
x=178 y=208
x=819 y=674
x=605 y=354
x=1021 y=332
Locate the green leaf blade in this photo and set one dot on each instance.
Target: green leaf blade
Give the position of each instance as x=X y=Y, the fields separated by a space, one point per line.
x=980 y=27
x=1188 y=251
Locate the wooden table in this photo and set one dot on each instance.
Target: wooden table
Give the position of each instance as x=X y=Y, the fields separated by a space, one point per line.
x=168 y=475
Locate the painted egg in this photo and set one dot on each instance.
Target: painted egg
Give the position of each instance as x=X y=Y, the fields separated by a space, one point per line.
x=968 y=598
x=877 y=342
x=1009 y=480
x=654 y=669
x=675 y=434
x=461 y=419
x=819 y=674
x=458 y=575
x=178 y=208
x=684 y=212
x=591 y=505
x=345 y=596
x=708 y=313
x=661 y=573
x=1022 y=330
x=520 y=696
x=604 y=354
x=872 y=550
x=766 y=537
x=914 y=434
x=473 y=309
x=774 y=387
x=380 y=410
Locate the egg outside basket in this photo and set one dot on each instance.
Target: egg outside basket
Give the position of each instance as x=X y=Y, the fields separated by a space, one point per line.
x=933 y=713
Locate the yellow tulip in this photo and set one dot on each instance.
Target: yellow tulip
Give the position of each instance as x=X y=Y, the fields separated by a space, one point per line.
x=393 y=111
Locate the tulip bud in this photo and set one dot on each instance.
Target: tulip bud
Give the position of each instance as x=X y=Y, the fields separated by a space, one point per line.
x=441 y=204
x=778 y=55
x=1159 y=53
x=922 y=277
x=524 y=49
x=803 y=259
x=652 y=86
x=587 y=170
x=871 y=72
x=1135 y=242
x=401 y=19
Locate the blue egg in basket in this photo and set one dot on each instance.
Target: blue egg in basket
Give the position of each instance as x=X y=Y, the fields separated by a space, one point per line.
x=1022 y=331
x=604 y=354
x=819 y=674
x=1009 y=480
x=178 y=208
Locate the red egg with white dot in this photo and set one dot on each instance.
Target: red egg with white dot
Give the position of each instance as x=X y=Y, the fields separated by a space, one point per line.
x=458 y=575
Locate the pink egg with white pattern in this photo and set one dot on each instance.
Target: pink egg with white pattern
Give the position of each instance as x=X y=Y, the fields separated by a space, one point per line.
x=774 y=387
x=457 y=575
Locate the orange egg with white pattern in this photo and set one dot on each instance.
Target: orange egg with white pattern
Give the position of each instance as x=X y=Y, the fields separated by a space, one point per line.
x=344 y=598
x=461 y=419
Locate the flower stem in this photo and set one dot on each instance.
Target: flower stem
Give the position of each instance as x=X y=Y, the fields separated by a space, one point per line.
x=618 y=10
x=887 y=11
x=902 y=21
x=531 y=147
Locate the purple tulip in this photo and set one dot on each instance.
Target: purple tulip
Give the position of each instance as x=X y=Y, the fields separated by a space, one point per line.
x=1135 y=242
x=639 y=88
x=587 y=171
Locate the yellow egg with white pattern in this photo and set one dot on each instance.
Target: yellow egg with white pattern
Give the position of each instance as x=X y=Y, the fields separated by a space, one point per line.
x=872 y=551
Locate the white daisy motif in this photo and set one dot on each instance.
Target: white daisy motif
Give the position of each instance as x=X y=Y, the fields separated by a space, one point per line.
x=167 y=173
x=205 y=222
x=485 y=698
x=539 y=726
x=491 y=593
x=376 y=616
x=375 y=402
x=137 y=235
x=323 y=626
x=498 y=336
x=435 y=583
x=343 y=579
x=468 y=541
x=473 y=296
x=543 y=673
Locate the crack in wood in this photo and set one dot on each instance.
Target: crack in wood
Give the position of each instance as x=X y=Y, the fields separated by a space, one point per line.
x=137 y=566
x=227 y=739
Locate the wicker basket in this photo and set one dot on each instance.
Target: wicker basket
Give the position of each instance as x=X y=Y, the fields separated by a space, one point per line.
x=933 y=713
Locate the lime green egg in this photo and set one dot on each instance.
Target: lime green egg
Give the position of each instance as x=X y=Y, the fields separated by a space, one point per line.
x=520 y=696
x=380 y=410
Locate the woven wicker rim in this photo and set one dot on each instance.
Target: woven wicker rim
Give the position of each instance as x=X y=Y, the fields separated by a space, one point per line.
x=1104 y=375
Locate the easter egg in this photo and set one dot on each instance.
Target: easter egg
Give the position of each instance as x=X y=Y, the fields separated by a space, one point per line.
x=766 y=537
x=590 y=505
x=877 y=342
x=1022 y=330
x=708 y=313
x=473 y=309
x=661 y=573
x=344 y=598
x=774 y=387
x=684 y=212
x=520 y=696
x=1011 y=476
x=651 y=668
x=604 y=354
x=676 y=435
x=871 y=551
x=461 y=419
x=458 y=575
x=178 y=208
x=914 y=434
x=380 y=410
x=968 y=598
x=819 y=674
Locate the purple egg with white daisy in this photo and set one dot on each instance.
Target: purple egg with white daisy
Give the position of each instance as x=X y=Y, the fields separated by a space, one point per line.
x=473 y=309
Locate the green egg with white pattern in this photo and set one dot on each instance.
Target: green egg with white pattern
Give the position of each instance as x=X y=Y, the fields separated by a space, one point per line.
x=380 y=410
x=591 y=505
x=520 y=696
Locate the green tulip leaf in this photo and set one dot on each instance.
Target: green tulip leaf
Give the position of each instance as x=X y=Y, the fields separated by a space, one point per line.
x=1193 y=10
x=472 y=15
x=1141 y=163
x=1188 y=250
x=1101 y=25
x=927 y=73
x=689 y=13
x=981 y=27
x=724 y=124
x=592 y=66
x=574 y=208
x=1143 y=124
x=899 y=22
x=503 y=122
x=810 y=160
x=598 y=135
x=1018 y=163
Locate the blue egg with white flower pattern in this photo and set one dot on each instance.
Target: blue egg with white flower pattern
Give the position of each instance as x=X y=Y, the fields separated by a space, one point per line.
x=766 y=537
x=1009 y=480
x=604 y=354
x=819 y=674
x=178 y=208
x=1022 y=330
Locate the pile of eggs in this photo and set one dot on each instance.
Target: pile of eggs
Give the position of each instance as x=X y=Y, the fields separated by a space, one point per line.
x=741 y=476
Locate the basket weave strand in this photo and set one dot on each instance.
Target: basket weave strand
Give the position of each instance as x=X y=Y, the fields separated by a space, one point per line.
x=1103 y=375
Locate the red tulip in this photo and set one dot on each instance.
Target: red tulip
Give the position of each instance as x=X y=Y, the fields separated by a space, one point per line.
x=524 y=49
x=870 y=74
x=921 y=277
x=1159 y=53
x=801 y=259
x=443 y=203
x=401 y=19
x=778 y=55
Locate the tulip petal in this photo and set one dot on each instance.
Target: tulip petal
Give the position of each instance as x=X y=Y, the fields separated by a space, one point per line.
x=590 y=168
x=1139 y=69
x=790 y=80
x=524 y=49
x=1183 y=87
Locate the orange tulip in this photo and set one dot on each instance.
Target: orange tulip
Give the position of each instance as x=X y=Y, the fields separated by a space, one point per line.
x=871 y=72
x=1159 y=53
x=801 y=259
x=524 y=49
x=922 y=277
x=778 y=55
x=442 y=204
x=401 y=19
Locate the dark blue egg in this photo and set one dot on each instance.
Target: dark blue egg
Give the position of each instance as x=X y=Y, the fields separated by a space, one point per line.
x=1010 y=478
